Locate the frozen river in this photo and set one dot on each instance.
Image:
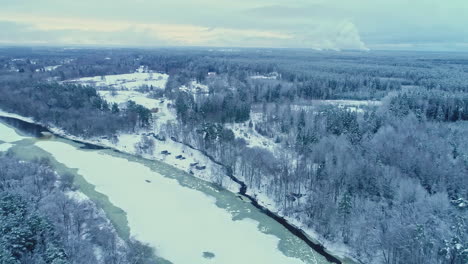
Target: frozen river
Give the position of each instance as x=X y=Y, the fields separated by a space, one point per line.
x=187 y=220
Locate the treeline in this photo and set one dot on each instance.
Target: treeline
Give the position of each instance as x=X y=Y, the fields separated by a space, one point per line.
x=219 y=107
x=281 y=88
x=345 y=74
x=435 y=105
x=309 y=75
x=76 y=109
x=41 y=221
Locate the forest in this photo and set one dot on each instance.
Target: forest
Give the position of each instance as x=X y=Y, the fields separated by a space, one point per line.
x=387 y=179
x=78 y=110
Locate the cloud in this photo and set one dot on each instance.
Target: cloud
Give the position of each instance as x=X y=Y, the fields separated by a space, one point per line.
x=333 y=36
x=321 y=24
x=20 y=33
x=60 y=30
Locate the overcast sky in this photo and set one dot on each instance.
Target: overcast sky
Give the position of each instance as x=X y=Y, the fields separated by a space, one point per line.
x=317 y=24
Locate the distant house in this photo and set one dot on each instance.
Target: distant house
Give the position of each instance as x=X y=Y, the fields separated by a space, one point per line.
x=211 y=74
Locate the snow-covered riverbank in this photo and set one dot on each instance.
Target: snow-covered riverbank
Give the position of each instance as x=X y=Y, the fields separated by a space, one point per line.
x=171 y=149
x=212 y=173
x=179 y=222
x=184 y=218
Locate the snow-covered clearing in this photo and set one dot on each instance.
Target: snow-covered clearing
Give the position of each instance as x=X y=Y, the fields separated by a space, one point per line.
x=128 y=81
x=122 y=97
x=195 y=87
x=355 y=103
x=162 y=110
x=180 y=222
x=48 y=68
x=250 y=135
x=175 y=154
x=270 y=76
x=352 y=105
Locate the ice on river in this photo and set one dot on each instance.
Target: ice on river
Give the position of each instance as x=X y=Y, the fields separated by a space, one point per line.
x=5 y=147
x=8 y=134
x=181 y=223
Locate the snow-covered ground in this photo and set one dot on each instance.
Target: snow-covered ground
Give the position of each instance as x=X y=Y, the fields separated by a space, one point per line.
x=122 y=88
x=262 y=195
x=128 y=81
x=122 y=97
x=167 y=152
x=212 y=173
x=337 y=249
x=48 y=68
x=125 y=88
x=254 y=139
x=98 y=212
x=353 y=105
x=250 y=135
x=165 y=113
x=180 y=222
x=126 y=143
x=195 y=87
x=270 y=76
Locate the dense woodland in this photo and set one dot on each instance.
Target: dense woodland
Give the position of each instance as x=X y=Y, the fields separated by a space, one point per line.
x=389 y=182
x=78 y=110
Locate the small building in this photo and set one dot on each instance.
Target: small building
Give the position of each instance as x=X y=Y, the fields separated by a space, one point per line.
x=154 y=110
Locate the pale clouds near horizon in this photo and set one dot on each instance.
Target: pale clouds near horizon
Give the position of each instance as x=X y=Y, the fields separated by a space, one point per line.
x=319 y=24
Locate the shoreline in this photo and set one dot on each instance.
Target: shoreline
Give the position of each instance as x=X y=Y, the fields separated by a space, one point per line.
x=242 y=190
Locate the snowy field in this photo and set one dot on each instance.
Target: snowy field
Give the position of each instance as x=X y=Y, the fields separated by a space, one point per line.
x=164 y=113
x=128 y=81
x=180 y=222
x=126 y=87
x=352 y=105
x=122 y=97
